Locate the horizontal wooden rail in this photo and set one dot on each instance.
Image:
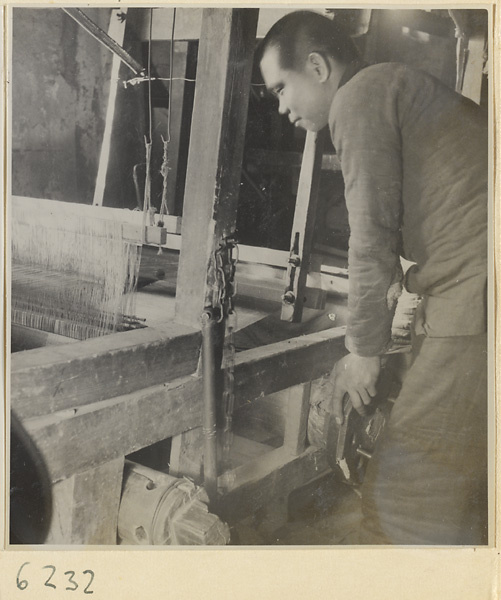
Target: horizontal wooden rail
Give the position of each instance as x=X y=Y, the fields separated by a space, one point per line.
x=268 y=369
x=75 y=440
x=271 y=159
x=55 y=378
x=258 y=482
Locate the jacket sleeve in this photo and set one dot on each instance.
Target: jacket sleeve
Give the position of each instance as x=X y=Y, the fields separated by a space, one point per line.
x=366 y=135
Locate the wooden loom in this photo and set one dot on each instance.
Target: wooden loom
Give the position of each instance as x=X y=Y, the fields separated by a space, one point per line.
x=89 y=404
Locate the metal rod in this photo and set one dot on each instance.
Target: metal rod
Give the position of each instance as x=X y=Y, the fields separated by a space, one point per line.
x=209 y=412
x=101 y=36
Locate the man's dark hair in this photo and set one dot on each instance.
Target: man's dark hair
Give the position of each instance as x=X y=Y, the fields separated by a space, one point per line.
x=301 y=32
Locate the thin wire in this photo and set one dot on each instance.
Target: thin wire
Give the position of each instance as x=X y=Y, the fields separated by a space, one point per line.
x=137 y=80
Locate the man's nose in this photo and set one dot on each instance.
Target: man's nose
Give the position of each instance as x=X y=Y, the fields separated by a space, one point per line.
x=282 y=106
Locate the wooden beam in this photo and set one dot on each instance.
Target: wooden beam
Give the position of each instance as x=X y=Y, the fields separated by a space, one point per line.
x=72 y=442
x=67 y=214
x=259 y=482
x=177 y=106
x=302 y=229
x=271 y=159
x=268 y=369
x=46 y=380
x=216 y=148
x=27 y=338
x=82 y=438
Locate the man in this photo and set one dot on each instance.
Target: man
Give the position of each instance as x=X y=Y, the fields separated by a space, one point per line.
x=413 y=155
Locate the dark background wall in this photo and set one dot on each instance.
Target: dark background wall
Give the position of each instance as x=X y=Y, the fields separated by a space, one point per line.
x=60 y=84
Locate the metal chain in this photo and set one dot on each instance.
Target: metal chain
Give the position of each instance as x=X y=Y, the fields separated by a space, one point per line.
x=226 y=259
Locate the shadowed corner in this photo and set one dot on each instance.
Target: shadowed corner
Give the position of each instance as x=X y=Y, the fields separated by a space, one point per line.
x=30 y=495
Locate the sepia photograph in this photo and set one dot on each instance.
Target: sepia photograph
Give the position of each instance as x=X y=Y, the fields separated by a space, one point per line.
x=249 y=277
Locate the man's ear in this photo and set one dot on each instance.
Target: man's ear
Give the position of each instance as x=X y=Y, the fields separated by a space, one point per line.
x=319 y=66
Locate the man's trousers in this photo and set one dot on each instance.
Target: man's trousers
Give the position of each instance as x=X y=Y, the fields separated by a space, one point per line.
x=427 y=480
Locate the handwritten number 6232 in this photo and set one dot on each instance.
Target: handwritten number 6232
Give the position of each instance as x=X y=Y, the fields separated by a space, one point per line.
x=22 y=584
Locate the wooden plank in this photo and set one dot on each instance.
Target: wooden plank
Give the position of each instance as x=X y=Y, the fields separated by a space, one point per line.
x=302 y=228
x=81 y=438
x=27 y=338
x=296 y=423
x=268 y=369
x=186 y=459
x=272 y=291
x=78 y=440
x=259 y=482
x=176 y=104
x=46 y=380
x=271 y=159
x=66 y=215
x=86 y=506
x=216 y=147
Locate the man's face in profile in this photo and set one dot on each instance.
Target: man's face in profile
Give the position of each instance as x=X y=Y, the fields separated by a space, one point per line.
x=300 y=93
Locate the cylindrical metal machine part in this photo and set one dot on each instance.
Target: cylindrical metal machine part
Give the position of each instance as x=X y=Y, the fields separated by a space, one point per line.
x=161 y=510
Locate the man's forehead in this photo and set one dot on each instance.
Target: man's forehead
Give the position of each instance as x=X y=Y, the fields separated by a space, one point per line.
x=270 y=67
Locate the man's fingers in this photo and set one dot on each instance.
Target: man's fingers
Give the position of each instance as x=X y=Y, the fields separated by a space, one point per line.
x=337 y=405
x=358 y=405
x=372 y=390
x=364 y=396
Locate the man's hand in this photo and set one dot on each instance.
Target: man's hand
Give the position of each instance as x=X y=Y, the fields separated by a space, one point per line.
x=356 y=376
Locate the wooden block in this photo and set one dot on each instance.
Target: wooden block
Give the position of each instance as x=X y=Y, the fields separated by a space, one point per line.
x=187 y=455
x=86 y=506
x=296 y=423
x=51 y=379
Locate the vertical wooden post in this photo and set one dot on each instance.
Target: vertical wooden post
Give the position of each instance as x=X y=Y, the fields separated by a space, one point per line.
x=473 y=73
x=216 y=148
x=85 y=506
x=176 y=106
x=302 y=229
